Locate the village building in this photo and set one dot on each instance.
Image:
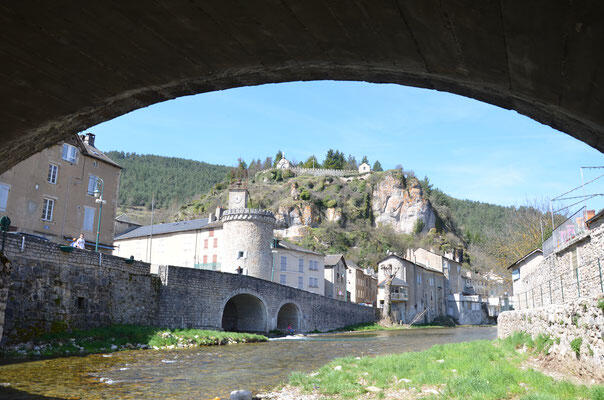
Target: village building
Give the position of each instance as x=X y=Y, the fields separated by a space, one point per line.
x=283 y=163
x=335 y=276
x=361 y=287
x=123 y=223
x=298 y=267
x=56 y=193
x=251 y=248
x=568 y=266
x=418 y=290
x=364 y=168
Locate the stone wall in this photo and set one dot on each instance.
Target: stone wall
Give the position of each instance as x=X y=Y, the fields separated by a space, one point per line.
x=51 y=290
x=580 y=318
x=323 y=172
x=196 y=298
x=557 y=279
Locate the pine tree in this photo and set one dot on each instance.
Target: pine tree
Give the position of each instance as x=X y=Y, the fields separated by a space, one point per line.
x=377 y=166
x=278 y=158
x=365 y=160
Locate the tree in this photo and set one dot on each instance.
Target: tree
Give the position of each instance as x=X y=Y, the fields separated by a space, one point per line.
x=311 y=162
x=365 y=160
x=351 y=163
x=377 y=166
x=389 y=273
x=278 y=157
x=334 y=160
x=268 y=163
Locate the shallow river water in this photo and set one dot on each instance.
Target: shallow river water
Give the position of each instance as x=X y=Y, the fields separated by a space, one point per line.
x=205 y=373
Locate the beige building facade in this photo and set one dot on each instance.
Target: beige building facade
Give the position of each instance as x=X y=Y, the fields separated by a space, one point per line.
x=416 y=289
x=361 y=288
x=298 y=267
x=335 y=277
x=52 y=194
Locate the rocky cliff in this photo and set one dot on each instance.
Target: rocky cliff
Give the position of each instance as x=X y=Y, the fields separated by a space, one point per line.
x=404 y=208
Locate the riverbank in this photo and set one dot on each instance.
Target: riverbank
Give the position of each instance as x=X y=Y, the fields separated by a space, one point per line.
x=499 y=369
x=122 y=337
x=375 y=326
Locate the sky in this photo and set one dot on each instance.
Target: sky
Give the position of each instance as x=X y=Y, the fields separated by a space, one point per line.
x=467 y=148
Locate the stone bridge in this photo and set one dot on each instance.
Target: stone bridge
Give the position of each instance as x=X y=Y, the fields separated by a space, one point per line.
x=68 y=66
x=50 y=290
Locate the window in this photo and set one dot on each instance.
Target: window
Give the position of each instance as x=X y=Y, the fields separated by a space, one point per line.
x=431 y=281
x=300 y=282
x=53 y=171
x=4 y=189
x=212 y=232
x=282 y=279
x=205 y=244
x=300 y=265
x=93 y=182
x=214 y=258
x=88 y=224
x=47 y=210
x=70 y=153
x=313 y=282
x=215 y=242
x=205 y=259
x=283 y=263
x=419 y=278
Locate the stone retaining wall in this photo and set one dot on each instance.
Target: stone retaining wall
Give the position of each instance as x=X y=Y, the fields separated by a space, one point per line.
x=51 y=290
x=581 y=318
x=557 y=279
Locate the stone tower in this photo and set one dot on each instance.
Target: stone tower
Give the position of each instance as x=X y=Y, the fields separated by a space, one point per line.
x=248 y=234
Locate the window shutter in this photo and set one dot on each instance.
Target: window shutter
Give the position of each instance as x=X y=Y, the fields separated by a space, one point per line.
x=88 y=224
x=4 y=189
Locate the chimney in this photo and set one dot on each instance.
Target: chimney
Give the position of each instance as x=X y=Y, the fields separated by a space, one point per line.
x=211 y=218
x=89 y=139
x=219 y=212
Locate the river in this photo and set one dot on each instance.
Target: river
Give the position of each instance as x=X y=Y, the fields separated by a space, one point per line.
x=208 y=372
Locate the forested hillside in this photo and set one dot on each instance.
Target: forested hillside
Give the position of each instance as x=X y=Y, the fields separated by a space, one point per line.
x=172 y=180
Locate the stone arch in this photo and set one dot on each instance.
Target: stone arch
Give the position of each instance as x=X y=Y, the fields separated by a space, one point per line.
x=70 y=71
x=244 y=312
x=289 y=314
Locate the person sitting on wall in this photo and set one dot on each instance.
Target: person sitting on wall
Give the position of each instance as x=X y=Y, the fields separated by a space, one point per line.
x=81 y=242
x=290 y=330
x=239 y=270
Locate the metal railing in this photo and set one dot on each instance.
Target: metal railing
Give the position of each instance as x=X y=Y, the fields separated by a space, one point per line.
x=398 y=296
x=573 y=227
x=584 y=280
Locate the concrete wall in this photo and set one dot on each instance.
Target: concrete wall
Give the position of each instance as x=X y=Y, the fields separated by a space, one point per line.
x=580 y=318
x=557 y=280
x=467 y=310
x=49 y=289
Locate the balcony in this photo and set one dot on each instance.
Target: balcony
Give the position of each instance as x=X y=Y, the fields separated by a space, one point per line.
x=398 y=297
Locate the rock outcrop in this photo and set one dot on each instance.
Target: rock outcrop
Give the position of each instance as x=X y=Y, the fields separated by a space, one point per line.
x=401 y=207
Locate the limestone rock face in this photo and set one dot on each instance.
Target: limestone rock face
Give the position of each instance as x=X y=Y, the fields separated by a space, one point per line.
x=305 y=214
x=333 y=214
x=401 y=208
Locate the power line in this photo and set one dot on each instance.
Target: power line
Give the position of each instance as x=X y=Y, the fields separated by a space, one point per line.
x=580 y=197
x=574 y=204
x=578 y=187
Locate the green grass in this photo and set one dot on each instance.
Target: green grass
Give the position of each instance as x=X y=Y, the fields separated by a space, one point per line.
x=471 y=370
x=123 y=337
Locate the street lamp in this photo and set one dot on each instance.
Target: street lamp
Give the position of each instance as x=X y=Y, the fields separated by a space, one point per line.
x=100 y=201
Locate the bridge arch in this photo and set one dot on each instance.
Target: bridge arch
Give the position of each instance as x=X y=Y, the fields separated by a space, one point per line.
x=244 y=312
x=289 y=314
x=70 y=70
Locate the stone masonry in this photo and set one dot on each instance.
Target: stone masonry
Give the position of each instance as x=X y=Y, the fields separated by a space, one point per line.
x=575 y=270
x=51 y=290
x=580 y=318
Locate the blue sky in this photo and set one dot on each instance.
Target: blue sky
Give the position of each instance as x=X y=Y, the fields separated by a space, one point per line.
x=467 y=148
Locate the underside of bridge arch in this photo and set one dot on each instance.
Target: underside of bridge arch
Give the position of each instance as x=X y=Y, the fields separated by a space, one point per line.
x=70 y=66
x=244 y=313
x=289 y=315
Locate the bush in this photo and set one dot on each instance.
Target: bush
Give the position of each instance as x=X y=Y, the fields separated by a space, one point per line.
x=543 y=343
x=418 y=227
x=601 y=304
x=305 y=195
x=330 y=203
x=575 y=344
